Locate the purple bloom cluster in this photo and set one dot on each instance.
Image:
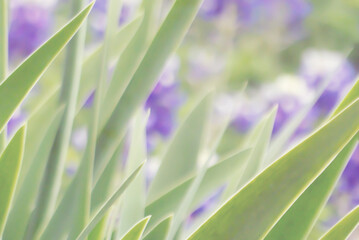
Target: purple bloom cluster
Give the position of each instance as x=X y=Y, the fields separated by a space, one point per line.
x=291 y=93
x=288 y=92
x=251 y=12
x=163 y=103
x=350 y=180
x=321 y=66
x=98 y=16
x=15 y=122
x=29 y=28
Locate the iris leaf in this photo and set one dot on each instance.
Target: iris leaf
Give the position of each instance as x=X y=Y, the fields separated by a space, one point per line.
x=279 y=185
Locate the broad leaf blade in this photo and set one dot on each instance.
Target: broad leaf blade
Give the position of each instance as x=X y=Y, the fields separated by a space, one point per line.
x=10 y=163
x=279 y=185
x=344 y=227
x=14 y=89
x=300 y=218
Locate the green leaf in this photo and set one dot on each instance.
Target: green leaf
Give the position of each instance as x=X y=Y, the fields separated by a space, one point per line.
x=180 y=159
x=344 y=227
x=215 y=177
x=160 y=231
x=14 y=89
x=135 y=233
x=268 y=196
x=133 y=202
x=10 y=163
x=163 y=45
x=25 y=199
x=300 y=218
x=102 y=211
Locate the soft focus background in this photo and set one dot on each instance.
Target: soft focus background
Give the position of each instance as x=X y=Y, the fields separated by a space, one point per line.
x=257 y=53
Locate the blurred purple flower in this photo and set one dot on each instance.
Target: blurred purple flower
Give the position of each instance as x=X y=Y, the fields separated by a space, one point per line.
x=288 y=92
x=208 y=204
x=89 y=101
x=15 y=122
x=251 y=12
x=292 y=12
x=163 y=103
x=320 y=66
x=212 y=8
x=99 y=12
x=350 y=179
x=29 y=28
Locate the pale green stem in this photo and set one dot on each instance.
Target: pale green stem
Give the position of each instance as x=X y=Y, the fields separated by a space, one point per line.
x=3 y=55
x=52 y=179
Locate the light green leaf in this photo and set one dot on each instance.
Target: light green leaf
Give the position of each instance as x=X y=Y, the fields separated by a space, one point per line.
x=133 y=202
x=163 y=45
x=10 y=164
x=25 y=199
x=14 y=89
x=102 y=211
x=344 y=227
x=180 y=160
x=160 y=231
x=135 y=233
x=300 y=218
x=268 y=196
x=216 y=176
